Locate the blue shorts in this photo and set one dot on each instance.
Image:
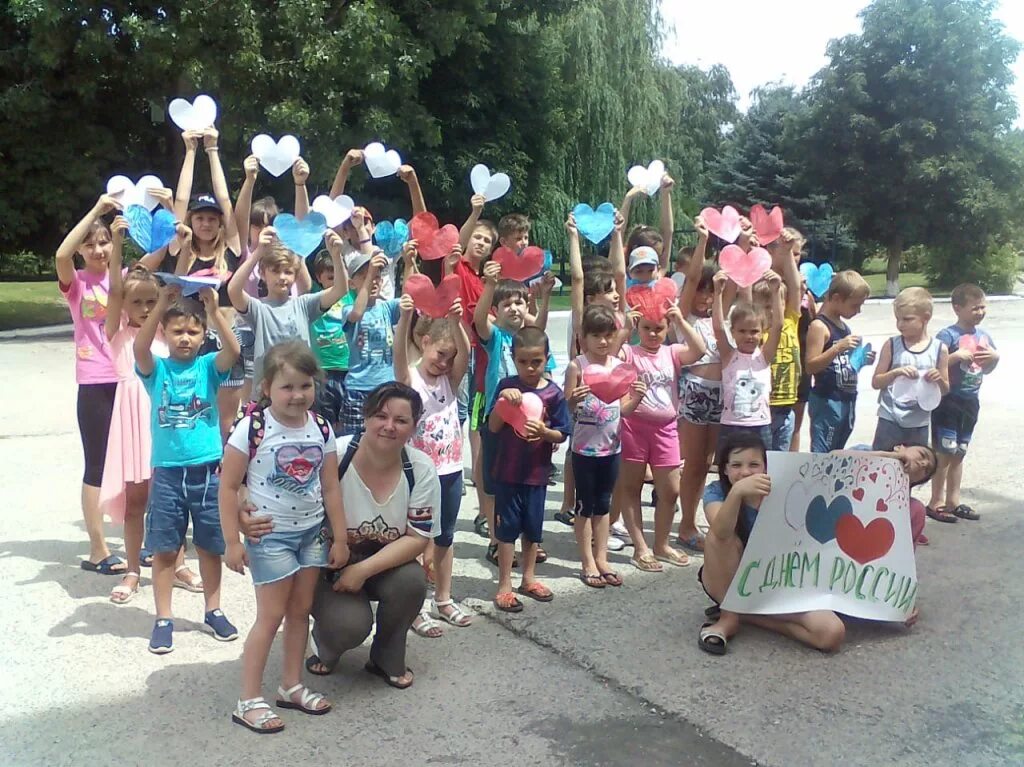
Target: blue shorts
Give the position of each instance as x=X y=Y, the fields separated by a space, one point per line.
x=175 y=494
x=451 y=501
x=953 y=423
x=279 y=555
x=519 y=511
x=831 y=422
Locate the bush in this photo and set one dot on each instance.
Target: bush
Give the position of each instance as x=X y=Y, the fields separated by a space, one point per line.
x=24 y=264
x=995 y=270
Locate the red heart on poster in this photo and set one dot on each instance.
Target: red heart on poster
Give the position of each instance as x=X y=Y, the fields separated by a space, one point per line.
x=864 y=544
x=433 y=301
x=519 y=266
x=881 y=505
x=744 y=268
x=724 y=224
x=432 y=242
x=530 y=409
x=609 y=385
x=858 y=494
x=767 y=225
x=654 y=299
x=873 y=476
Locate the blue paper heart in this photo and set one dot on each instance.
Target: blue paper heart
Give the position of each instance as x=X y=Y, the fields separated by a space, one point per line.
x=391 y=237
x=859 y=356
x=818 y=278
x=822 y=518
x=595 y=225
x=150 y=231
x=302 y=237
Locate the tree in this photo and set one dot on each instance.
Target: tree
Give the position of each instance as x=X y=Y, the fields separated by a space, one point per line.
x=905 y=122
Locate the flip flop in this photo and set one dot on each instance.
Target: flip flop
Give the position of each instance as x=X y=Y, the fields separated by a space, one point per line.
x=677 y=559
x=648 y=563
x=594 y=581
x=373 y=668
x=694 y=544
x=105 y=567
x=538 y=591
x=940 y=514
x=314 y=660
x=713 y=642
x=963 y=511
x=612 y=579
x=508 y=603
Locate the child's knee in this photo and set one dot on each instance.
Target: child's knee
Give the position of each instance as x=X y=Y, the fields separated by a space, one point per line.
x=829 y=634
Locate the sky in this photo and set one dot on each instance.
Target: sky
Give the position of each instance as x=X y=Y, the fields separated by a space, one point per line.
x=810 y=24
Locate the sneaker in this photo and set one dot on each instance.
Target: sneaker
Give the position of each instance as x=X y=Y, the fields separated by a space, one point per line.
x=615 y=543
x=162 y=640
x=222 y=628
x=619 y=531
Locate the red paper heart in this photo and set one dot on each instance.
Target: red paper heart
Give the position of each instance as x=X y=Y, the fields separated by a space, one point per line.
x=724 y=224
x=858 y=494
x=430 y=300
x=767 y=225
x=432 y=243
x=654 y=299
x=881 y=505
x=609 y=385
x=519 y=266
x=864 y=544
x=744 y=268
x=530 y=409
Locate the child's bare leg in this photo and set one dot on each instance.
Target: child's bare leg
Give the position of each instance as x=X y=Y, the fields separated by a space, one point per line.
x=444 y=558
x=210 y=571
x=271 y=603
x=666 y=483
x=939 y=481
x=135 y=496
x=163 y=580
x=98 y=550
x=529 y=561
x=505 y=553
x=600 y=527
x=487 y=509
x=631 y=480
x=296 y=627
x=584 y=533
x=821 y=629
x=474 y=448
x=954 y=475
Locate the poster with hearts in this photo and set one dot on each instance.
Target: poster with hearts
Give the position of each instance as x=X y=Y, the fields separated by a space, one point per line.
x=834 y=534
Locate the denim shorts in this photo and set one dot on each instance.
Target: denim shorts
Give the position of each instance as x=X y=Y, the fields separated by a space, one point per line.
x=175 y=494
x=519 y=511
x=244 y=366
x=281 y=554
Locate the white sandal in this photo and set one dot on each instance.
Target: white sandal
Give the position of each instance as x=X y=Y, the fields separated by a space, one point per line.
x=195 y=586
x=256 y=704
x=427 y=622
x=457 y=617
x=122 y=594
x=308 y=700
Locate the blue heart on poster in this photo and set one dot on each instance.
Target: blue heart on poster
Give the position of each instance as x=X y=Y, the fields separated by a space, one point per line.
x=302 y=237
x=595 y=225
x=391 y=237
x=859 y=356
x=818 y=278
x=822 y=517
x=150 y=231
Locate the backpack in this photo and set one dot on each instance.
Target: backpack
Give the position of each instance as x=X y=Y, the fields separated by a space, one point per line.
x=256 y=412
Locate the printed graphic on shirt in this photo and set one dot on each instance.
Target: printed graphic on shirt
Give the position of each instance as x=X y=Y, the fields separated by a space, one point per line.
x=296 y=468
x=180 y=413
x=747 y=396
x=659 y=392
x=94 y=305
x=846 y=373
x=371 y=536
x=422 y=519
x=374 y=342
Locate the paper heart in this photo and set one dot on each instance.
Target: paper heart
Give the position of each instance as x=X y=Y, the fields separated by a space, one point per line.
x=337 y=211
x=821 y=518
x=301 y=237
x=522 y=265
x=595 y=225
x=768 y=226
x=649 y=178
x=609 y=385
x=653 y=299
x=430 y=300
x=744 y=268
x=864 y=543
x=432 y=243
x=724 y=224
x=859 y=356
x=191 y=284
x=796 y=504
x=817 y=277
x=197 y=115
x=381 y=162
x=530 y=409
x=909 y=392
x=150 y=231
x=858 y=494
x=276 y=156
x=492 y=187
x=128 y=192
x=971 y=343
x=391 y=237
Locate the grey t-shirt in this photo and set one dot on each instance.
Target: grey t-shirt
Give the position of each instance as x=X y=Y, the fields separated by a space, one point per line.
x=276 y=321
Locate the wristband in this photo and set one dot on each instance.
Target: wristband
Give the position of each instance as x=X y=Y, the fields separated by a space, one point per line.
x=211 y=148
x=368 y=239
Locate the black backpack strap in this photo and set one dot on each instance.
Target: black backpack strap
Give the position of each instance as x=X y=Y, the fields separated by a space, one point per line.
x=346 y=459
x=410 y=476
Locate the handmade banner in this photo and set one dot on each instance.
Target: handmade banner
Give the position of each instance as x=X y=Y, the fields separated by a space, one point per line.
x=834 y=534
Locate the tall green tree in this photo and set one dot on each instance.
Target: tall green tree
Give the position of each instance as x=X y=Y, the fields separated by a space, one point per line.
x=905 y=123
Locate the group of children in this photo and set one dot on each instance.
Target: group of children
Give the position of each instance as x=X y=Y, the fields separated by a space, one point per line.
x=651 y=386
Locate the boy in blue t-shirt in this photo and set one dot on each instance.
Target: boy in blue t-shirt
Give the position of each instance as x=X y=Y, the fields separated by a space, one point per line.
x=972 y=355
x=186 y=450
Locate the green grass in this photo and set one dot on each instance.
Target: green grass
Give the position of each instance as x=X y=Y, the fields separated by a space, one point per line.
x=907 y=280
x=31 y=305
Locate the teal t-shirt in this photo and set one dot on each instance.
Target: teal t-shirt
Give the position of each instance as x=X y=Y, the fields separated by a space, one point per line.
x=371 y=344
x=183 y=417
x=328 y=335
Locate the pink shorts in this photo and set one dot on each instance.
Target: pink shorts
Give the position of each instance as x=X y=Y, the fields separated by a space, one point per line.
x=650 y=442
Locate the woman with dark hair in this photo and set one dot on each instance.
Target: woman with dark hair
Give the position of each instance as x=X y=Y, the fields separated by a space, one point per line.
x=392 y=500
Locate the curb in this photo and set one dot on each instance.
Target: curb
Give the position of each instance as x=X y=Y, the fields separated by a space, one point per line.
x=47 y=331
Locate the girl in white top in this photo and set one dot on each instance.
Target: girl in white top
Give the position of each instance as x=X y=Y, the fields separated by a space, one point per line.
x=290 y=462
x=445 y=358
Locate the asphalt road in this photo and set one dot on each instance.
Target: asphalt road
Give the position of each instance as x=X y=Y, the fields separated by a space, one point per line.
x=610 y=677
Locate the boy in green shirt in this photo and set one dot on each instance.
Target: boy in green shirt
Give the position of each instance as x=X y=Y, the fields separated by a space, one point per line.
x=328 y=337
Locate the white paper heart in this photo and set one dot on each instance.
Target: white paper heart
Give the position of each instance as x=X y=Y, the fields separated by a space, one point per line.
x=381 y=162
x=649 y=178
x=336 y=211
x=276 y=156
x=128 y=192
x=491 y=187
x=926 y=394
x=197 y=115
x=797 y=498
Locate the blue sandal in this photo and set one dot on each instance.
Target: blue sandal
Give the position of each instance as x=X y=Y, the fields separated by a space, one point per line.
x=106 y=567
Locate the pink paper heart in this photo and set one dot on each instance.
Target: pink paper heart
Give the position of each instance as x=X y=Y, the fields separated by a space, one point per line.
x=519 y=266
x=609 y=385
x=744 y=268
x=432 y=242
x=724 y=224
x=530 y=409
x=652 y=300
x=433 y=301
x=767 y=225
